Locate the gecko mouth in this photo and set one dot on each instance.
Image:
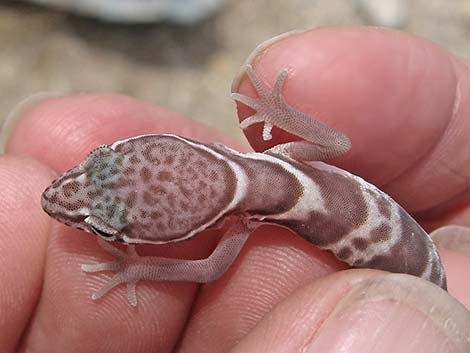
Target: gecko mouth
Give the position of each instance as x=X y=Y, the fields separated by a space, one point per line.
x=69 y=220
x=103 y=234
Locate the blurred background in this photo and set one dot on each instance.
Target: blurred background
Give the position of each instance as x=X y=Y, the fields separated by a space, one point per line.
x=182 y=54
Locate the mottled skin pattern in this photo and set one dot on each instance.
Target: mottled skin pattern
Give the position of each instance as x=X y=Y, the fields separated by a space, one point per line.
x=373 y=230
x=165 y=188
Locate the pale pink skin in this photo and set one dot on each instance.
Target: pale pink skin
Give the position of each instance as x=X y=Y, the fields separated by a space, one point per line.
x=46 y=292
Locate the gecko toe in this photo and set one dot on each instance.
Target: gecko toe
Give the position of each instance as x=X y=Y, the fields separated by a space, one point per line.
x=113 y=282
x=131 y=293
x=99 y=267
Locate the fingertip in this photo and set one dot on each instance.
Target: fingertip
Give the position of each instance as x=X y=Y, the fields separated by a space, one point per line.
x=18 y=112
x=25 y=233
x=61 y=131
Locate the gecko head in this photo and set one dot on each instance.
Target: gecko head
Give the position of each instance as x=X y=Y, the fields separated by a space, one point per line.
x=146 y=189
x=64 y=199
x=77 y=198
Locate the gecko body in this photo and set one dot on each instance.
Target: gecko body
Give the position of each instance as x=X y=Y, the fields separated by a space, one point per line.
x=166 y=188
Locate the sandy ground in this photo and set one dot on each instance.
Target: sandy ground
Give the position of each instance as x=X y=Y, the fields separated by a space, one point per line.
x=186 y=69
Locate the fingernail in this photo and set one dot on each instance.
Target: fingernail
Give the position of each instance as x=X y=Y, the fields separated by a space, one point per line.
x=455 y=238
x=18 y=112
x=395 y=313
x=258 y=52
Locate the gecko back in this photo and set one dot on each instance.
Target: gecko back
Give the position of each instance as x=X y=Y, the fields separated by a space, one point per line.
x=152 y=188
x=362 y=225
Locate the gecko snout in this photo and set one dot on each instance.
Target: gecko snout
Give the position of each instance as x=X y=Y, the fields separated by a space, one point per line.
x=64 y=196
x=48 y=198
x=62 y=210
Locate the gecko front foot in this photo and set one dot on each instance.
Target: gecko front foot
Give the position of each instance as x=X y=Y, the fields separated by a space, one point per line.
x=130 y=267
x=125 y=264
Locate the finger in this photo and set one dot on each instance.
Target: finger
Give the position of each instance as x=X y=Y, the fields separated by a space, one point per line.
x=400 y=99
x=24 y=230
x=363 y=311
x=60 y=132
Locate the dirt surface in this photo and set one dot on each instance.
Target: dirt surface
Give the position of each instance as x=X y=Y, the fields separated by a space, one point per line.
x=186 y=69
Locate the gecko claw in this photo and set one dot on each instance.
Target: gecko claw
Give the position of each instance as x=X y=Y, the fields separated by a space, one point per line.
x=131 y=293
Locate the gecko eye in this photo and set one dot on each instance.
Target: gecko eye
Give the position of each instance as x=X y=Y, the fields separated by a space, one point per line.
x=100 y=233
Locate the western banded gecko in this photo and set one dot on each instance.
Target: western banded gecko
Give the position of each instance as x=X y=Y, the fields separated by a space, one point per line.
x=165 y=188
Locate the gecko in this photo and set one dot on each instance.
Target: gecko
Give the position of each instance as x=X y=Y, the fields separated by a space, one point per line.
x=159 y=189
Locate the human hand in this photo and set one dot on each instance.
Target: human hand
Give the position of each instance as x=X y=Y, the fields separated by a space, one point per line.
x=401 y=100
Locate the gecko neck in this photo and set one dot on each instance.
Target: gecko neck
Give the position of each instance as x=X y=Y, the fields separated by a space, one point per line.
x=270 y=187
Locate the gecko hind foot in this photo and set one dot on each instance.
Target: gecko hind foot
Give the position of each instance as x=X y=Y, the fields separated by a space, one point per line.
x=265 y=106
x=271 y=109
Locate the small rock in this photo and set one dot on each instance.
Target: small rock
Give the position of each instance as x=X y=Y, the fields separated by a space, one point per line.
x=138 y=11
x=388 y=13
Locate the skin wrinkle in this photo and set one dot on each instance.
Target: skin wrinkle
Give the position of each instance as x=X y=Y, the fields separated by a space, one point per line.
x=458 y=96
x=454 y=116
x=437 y=142
x=422 y=160
x=458 y=200
x=451 y=211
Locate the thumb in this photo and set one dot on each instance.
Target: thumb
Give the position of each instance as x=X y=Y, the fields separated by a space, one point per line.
x=364 y=311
